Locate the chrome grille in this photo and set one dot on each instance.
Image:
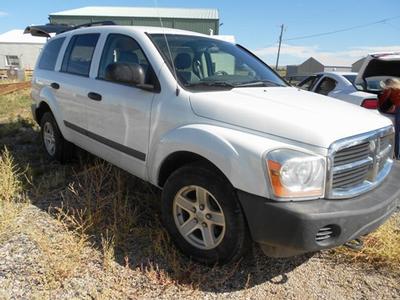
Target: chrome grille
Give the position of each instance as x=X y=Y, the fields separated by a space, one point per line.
x=350 y=177
x=354 y=153
x=386 y=141
x=359 y=163
x=352 y=165
x=386 y=149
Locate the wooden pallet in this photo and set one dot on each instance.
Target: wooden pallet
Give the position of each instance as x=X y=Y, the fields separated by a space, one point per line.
x=13 y=87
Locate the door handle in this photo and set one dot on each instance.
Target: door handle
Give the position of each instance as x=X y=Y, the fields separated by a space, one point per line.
x=94 y=96
x=55 y=85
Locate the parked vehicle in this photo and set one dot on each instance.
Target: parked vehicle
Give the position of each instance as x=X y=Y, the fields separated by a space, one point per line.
x=339 y=85
x=238 y=153
x=377 y=67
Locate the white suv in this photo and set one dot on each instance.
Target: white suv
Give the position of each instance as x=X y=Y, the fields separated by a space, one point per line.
x=239 y=153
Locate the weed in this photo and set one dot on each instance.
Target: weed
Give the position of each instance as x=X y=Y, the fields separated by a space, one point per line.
x=10 y=184
x=107 y=244
x=381 y=248
x=97 y=202
x=12 y=201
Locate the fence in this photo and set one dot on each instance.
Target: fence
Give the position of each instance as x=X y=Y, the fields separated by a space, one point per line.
x=7 y=88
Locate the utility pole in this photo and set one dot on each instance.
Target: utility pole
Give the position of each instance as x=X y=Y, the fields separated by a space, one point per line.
x=279 y=47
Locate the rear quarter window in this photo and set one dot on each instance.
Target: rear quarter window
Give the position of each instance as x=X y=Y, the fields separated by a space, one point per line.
x=50 y=53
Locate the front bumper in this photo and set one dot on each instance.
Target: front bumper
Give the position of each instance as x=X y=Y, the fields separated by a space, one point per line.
x=286 y=229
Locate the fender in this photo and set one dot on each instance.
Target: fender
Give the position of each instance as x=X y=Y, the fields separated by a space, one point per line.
x=238 y=155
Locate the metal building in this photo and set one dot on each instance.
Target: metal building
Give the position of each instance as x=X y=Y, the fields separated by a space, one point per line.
x=312 y=66
x=356 y=66
x=199 y=20
x=19 y=50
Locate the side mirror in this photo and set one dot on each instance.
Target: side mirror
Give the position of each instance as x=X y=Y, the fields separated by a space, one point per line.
x=125 y=73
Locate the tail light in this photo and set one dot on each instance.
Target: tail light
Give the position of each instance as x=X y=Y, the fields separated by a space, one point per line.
x=370 y=103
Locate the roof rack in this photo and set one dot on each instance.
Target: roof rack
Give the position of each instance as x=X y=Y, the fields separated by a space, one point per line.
x=47 y=29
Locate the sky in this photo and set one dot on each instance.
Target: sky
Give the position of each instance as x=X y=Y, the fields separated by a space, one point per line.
x=364 y=26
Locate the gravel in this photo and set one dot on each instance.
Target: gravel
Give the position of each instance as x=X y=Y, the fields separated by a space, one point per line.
x=24 y=274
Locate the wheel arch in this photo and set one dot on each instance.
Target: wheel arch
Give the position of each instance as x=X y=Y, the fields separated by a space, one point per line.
x=47 y=102
x=190 y=144
x=42 y=108
x=178 y=159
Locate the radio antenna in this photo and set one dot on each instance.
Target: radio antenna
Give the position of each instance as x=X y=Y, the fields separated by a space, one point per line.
x=168 y=47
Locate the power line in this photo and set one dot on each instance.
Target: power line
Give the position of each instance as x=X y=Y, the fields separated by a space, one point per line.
x=393 y=26
x=341 y=30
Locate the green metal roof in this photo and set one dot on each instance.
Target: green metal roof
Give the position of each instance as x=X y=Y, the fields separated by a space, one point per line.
x=143 y=12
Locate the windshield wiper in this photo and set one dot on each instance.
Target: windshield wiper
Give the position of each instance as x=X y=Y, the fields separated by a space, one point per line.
x=223 y=84
x=266 y=83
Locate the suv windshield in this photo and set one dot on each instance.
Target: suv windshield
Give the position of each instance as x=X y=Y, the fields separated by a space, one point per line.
x=202 y=63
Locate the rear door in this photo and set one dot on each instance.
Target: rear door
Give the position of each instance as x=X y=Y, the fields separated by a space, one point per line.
x=73 y=84
x=45 y=75
x=119 y=120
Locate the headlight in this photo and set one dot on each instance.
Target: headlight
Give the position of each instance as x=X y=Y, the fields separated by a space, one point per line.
x=295 y=174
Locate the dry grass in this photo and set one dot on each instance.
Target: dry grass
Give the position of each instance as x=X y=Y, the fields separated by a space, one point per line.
x=10 y=183
x=63 y=253
x=11 y=200
x=15 y=115
x=14 y=105
x=117 y=210
x=120 y=216
x=381 y=248
x=96 y=203
x=62 y=250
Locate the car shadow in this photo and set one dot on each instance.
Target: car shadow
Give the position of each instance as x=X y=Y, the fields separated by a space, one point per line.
x=145 y=246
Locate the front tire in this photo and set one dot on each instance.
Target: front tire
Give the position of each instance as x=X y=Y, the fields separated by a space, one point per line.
x=201 y=212
x=55 y=146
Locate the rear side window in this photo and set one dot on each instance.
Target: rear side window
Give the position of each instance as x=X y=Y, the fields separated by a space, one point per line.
x=50 y=53
x=78 y=56
x=326 y=86
x=307 y=83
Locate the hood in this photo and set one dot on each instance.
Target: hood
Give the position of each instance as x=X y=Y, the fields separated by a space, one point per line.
x=288 y=112
x=379 y=65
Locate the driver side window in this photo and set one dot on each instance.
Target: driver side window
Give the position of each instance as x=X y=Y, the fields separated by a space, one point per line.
x=187 y=67
x=124 y=49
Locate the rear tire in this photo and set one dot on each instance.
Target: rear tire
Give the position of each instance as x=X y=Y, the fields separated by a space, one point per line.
x=54 y=144
x=201 y=212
